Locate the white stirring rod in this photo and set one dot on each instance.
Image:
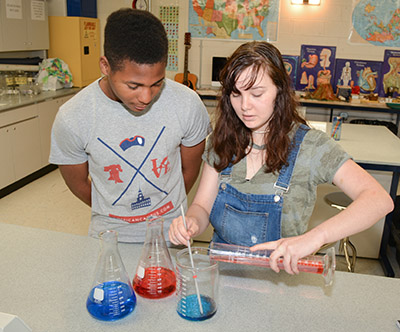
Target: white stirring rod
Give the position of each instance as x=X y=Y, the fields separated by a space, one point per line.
x=192 y=263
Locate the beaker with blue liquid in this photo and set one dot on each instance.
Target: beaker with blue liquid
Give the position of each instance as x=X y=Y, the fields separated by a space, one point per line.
x=111 y=296
x=197 y=284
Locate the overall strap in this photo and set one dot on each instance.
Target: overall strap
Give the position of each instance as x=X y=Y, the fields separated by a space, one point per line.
x=226 y=174
x=285 y=175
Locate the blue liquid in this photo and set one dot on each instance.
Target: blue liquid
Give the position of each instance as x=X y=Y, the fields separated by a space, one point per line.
x=189 y=308
x=111 y=300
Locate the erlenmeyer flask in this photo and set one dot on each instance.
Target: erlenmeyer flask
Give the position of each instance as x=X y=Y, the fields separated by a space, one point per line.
x=155 y=276
x=111 y=296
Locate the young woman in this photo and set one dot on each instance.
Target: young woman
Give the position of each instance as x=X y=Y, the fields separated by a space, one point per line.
x=263 y=165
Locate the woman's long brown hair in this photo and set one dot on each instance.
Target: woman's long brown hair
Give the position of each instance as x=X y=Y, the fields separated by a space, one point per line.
x=231 y=137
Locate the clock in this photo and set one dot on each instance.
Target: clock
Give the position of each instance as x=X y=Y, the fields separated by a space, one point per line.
x=140 y=4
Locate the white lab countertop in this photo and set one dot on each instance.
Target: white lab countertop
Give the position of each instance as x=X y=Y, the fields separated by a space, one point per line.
x=9 y=102
x=46 y=276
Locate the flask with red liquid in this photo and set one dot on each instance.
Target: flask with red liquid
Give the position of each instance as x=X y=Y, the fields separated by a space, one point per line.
x=155 y=276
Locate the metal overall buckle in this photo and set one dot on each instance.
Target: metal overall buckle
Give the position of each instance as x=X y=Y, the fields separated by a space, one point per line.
x=279 y=191
x=224 y=179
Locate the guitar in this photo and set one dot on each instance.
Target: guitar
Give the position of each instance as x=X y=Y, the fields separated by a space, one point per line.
x=187 y=78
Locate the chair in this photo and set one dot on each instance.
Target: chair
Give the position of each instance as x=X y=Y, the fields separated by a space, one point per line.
x=341 y=201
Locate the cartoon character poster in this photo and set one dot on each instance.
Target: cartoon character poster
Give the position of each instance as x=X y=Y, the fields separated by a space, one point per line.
x=390 y=73
x=359 y=75
x=290 y=62
x=316 y=65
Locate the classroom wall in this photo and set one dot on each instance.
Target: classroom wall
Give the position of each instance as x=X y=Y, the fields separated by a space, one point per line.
x=328 y=24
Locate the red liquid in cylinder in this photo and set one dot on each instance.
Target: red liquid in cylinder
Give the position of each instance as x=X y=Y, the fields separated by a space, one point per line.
x=303 y=265
x=157 y=282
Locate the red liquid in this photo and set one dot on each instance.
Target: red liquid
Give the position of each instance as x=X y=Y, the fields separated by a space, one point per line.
x=304 y=265
x=158 y=282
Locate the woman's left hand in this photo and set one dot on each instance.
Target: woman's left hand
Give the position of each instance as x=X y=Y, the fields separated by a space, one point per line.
x=288 y=251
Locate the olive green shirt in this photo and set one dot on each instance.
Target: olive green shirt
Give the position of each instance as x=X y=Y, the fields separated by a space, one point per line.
x=318 y=160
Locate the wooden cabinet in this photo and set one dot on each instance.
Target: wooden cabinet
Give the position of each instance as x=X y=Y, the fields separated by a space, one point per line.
x=25 y=139
x=26 y=147
x=23 y=25
x=20 y=151
x=7 y=174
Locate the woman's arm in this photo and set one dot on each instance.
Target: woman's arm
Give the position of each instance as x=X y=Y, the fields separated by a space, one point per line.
x=370 y=203
x=197 y=216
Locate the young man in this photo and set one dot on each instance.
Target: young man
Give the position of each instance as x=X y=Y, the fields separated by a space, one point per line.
x=129 y=145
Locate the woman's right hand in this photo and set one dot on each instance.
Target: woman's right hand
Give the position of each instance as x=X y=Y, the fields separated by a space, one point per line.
x=178 y=234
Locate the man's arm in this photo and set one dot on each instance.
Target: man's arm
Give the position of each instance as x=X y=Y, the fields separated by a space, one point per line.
x=77 y=179
x=191 y=162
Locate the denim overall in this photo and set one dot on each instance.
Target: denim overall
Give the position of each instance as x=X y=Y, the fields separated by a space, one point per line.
x=248 y=219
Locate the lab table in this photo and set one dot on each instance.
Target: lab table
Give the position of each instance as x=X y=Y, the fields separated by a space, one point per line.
x=45 y=278
x=359 y=105
x=354 y=105
x=375 y=148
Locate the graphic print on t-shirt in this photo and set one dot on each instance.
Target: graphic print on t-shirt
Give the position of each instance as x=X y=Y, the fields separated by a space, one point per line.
x=129 y=142
x=158 y=167
x=114 y=171
x=163 y=167
x=141 y=201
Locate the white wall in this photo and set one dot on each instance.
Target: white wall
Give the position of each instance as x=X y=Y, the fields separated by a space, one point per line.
x=328 y=24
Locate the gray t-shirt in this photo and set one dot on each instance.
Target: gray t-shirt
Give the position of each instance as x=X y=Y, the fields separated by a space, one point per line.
x=134 y=158
x=318 y=160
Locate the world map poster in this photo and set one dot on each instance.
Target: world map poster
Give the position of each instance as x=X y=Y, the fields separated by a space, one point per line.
x=377 y=22
x=234 y=19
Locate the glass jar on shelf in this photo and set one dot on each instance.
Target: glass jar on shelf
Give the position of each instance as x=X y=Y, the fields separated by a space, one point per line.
x=10 y=82
x=21 y=78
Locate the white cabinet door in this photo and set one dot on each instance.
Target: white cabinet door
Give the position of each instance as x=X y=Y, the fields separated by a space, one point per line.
x=23 y=25
x=7 y=175
x=47 y=112
x=37 y=25
x=26 y=147
x=13 y=25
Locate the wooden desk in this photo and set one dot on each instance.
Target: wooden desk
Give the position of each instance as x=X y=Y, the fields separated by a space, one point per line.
x=212 y=94
x=46 y=276
x=375 y=148
x=352 y=106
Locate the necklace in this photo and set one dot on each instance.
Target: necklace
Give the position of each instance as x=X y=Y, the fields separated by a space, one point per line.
x=258 y=147
x=261 y=131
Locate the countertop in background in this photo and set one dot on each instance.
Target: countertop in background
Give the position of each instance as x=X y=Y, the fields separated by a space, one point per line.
x=9 y=102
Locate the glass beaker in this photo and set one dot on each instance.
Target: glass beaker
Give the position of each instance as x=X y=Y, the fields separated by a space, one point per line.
x=198 y=285
x=155 y=276
x=111 y=296
x=336 y=127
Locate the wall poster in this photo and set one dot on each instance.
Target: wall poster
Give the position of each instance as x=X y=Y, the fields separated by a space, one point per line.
x=169 y=16
x=290 y=62
x=316 y=66
x=361 y=75
x=376 y=22
x=391 y=74
x=234 y=19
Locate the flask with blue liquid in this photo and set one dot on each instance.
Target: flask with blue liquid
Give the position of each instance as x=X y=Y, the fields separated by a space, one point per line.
x=111 y=296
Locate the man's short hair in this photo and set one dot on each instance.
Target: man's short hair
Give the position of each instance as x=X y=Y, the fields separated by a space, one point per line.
x=134 y=35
